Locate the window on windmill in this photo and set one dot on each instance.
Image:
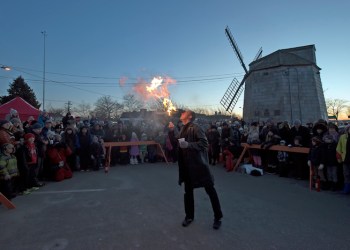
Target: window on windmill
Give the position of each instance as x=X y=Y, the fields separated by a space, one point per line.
x=257 y=113
x=277 y=112
x=266 y=112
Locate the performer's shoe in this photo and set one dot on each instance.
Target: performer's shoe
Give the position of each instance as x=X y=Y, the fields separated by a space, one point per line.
x=217 y=224
x=186 y=222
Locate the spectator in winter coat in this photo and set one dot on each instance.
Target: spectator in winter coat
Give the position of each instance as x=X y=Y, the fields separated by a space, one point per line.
x=85 y=140
x=214 y=144
x=319 y=129
x=285 y=132
x=43 y=117
x=331 y=163
x=57 y=154
x=97 y=153
x=333 y=132
x=343 y=149
x=253 y=138
x=316 y=160
x=143 y=148
x=41 y=145
x=6 y=135
x=8 y=171
x=301 y=131
x=134 y=149
x=13 y=114
x=70 y=138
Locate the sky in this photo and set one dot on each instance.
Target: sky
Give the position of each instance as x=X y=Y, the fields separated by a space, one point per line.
x=91 y=45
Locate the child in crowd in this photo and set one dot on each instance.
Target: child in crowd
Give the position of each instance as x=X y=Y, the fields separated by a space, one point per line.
x=282 y=158
x=123 y=152
x=134 y=149
x=143 y=148
x=8 y=171
x=253 y=138
x=97 y=153
x=57 y=153
x=31 y=161
x=316 y=162
x=331 y=162
x=84 y=137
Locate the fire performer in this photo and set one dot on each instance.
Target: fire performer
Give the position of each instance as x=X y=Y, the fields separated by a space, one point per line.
x=194 y=168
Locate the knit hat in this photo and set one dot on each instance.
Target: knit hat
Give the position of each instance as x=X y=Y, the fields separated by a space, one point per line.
x=15 y=120
x=2 y=122
x=28 y=136
x=13 y=111
x=36 y=126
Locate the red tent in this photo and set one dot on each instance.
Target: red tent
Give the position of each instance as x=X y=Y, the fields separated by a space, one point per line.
x=23 y=108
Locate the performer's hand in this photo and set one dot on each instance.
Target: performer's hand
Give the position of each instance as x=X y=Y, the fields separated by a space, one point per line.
x=7 y=177
x=183 y=144
x=309 y=163
x=321 y=167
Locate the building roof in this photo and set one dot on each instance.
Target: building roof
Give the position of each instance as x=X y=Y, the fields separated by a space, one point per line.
x=298 y=56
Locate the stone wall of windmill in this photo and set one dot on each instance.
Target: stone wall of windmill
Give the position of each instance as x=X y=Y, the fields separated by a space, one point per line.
x=285 y=86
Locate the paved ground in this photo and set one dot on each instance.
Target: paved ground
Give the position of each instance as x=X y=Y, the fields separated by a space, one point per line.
x=141 y=207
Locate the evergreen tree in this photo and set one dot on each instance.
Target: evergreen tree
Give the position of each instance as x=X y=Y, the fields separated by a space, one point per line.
x=20 y=88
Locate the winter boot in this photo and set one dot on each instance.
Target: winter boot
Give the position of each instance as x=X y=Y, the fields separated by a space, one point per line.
x=346 y=189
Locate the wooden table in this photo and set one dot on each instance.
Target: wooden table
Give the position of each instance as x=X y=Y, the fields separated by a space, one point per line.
x=6 y=202
x=109 y=146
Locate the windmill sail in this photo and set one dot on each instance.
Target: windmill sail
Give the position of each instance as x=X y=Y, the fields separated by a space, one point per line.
x=258 y=55
x=235 y=48
x=232 y=94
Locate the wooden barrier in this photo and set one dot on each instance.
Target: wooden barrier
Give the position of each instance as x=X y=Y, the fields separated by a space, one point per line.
x=6 y=202
x=109 y=146
x=301 y=150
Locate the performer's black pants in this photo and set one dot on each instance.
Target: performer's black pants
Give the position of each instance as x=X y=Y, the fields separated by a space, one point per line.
x=189 y=201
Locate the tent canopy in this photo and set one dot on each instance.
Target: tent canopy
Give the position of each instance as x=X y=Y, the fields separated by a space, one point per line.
x=23 y=108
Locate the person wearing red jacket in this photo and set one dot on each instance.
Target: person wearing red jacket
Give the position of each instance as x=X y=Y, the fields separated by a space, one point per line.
x=57 y=154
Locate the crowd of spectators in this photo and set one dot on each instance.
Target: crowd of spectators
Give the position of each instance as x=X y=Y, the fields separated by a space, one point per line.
x=328 y=160
x=37 y=150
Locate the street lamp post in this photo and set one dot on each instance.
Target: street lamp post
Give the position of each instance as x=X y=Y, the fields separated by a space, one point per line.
x=44 y=34
x=4 y=67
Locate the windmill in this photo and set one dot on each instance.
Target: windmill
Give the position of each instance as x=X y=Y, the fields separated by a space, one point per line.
x=236 y=88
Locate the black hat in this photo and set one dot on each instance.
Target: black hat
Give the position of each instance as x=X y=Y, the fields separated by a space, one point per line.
x=36 y=126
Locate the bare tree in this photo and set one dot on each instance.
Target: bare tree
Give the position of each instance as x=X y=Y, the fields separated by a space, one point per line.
x=106 y=108
x=83 y=109
x=56 y=112
x=335 y=107
x=131 y=103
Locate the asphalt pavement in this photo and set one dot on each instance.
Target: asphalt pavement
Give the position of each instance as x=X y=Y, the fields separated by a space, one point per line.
x=141 y=207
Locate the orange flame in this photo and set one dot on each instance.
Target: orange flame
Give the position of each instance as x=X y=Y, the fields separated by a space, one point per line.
x=158 y=88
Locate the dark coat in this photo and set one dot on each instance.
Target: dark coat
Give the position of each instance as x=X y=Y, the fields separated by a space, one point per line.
x=193 y=161
x=317 y=155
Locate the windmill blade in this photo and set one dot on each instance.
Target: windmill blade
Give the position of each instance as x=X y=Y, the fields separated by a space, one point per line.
x=232 y=94
x=235 y=48
x=258 y=55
